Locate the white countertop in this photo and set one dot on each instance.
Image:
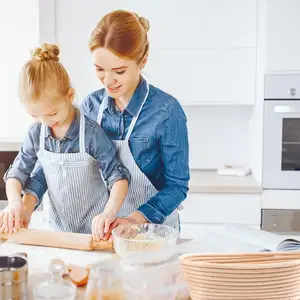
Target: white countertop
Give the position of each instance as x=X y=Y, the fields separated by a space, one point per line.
x=39 y=259
x=208 y=181
x=216 y=239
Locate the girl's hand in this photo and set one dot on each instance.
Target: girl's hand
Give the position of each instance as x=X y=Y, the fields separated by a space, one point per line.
x=101 y=224
x=11 y=216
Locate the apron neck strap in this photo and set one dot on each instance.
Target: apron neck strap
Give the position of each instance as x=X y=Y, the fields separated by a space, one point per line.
x=134 y=120
x=42 y=137
x=101 y=109
x=82 y=133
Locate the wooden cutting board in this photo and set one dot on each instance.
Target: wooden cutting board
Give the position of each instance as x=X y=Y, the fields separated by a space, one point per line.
x=66 y=240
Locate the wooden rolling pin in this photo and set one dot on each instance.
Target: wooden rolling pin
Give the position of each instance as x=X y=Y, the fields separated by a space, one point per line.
x=67 y=240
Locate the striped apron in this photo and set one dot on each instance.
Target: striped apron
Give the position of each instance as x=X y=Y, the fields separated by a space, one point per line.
x=76 y=190
x=140 y=189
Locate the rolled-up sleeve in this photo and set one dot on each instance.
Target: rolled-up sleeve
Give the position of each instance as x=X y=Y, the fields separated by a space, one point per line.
x=26 y=159
x=105 y=152
x=174 y=148
x=36 y=185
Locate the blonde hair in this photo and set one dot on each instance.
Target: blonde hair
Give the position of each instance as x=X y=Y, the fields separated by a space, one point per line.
x=44 y=75
x=122 y=32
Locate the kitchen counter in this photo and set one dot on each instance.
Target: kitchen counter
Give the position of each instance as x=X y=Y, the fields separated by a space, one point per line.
x=208 y=181
x=40 y=257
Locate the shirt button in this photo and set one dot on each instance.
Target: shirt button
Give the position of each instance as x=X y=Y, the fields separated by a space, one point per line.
x=156 y=219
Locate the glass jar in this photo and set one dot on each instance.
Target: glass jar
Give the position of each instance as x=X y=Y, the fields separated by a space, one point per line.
x=105 y=282
x=55 y=288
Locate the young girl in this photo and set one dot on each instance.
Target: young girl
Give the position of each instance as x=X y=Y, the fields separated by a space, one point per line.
x=70 y=148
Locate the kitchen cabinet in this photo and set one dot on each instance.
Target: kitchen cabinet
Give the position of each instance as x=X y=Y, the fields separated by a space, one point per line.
x=282 y=28
x=209 y=209
x=201 y=51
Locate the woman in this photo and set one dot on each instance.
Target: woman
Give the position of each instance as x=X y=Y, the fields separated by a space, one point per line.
x=147 y=125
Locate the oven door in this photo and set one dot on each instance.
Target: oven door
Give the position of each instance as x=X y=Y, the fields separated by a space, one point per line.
x=281 y=144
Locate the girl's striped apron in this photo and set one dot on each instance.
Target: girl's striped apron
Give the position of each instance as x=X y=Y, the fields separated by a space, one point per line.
x=76 y=189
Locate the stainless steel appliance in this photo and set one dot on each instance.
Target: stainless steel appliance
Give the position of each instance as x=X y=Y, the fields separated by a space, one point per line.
x=14 y=277
x=282 y=221
x=281 y=141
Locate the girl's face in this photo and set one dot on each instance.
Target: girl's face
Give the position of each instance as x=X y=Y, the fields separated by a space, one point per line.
x=119 y=76
x=53 y=113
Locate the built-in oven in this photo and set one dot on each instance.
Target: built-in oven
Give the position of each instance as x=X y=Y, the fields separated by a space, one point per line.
x=6 y=159
x=281 y=135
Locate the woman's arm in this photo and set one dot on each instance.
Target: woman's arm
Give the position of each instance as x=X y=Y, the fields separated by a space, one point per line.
x=174 y=148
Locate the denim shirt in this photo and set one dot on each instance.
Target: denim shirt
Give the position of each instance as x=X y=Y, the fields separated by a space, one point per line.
x=159 y=144
x=98 y=145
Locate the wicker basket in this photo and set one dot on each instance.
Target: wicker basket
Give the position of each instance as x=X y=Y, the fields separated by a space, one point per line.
x=243 y=276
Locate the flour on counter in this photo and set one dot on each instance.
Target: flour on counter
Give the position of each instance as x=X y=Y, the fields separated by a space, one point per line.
x=40 y=257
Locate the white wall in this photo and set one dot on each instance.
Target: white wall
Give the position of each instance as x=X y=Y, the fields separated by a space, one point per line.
x=218 y=135
x=18 y=33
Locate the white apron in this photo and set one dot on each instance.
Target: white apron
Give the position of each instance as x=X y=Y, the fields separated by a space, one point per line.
x=76 y=189
x=140 y=189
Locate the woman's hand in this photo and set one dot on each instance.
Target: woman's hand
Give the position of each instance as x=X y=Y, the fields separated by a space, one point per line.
x=101 y=224
x=134 y=218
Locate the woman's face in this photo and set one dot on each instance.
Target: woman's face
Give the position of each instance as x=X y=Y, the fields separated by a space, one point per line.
x=118 y=75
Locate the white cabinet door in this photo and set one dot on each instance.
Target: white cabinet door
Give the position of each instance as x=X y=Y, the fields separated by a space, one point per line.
x=201 y=51
x=282 y=30
x=222 y=208
x=185 y=25
x=216 y=76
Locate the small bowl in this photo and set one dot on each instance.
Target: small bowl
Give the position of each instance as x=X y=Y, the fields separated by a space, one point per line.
x=132 y=238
